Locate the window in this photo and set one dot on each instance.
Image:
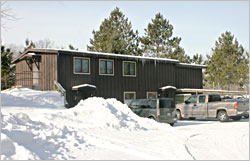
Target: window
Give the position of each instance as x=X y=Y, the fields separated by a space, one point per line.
x=129 y=68
x=134 y=104
x=129 y=96
x=192 y=99
x=166 y=103
x=214 y=98
x=152 y=103
x=151 y=94
x=202 y=99
x=81 y=65
x=106 y=67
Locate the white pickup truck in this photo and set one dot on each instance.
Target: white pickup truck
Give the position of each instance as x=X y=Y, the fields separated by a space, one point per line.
x=211 y=106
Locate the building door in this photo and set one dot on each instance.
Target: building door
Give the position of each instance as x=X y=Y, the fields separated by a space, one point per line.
x=35 y=76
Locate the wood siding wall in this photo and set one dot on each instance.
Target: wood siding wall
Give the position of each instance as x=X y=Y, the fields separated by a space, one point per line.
x=47 y=72
x=150 y=75
x=188 y=77
x=24 y=75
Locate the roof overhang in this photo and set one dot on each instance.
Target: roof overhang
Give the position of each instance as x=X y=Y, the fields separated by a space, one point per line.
x=75 y=88
x=167 y=87
x=29 y=53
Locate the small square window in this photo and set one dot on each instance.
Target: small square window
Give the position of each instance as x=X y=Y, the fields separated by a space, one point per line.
x=106 y=67
x=129 y=68
x=81 y=65
x=151 y=94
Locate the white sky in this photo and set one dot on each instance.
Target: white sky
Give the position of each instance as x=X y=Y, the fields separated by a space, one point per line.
x=199 y=24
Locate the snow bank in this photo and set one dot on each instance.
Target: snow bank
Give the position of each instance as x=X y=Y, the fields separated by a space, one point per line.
x=24 y=97
x=35 y=125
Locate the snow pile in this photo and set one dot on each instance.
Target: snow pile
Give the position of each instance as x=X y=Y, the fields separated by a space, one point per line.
x=36 y=125
x=110 y=113
x=24 y=97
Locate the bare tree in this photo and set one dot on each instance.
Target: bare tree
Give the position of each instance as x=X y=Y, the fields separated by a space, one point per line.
x=44 y=44
x=6 y=13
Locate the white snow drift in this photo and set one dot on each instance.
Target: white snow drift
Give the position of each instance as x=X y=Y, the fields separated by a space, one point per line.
x=35 y=125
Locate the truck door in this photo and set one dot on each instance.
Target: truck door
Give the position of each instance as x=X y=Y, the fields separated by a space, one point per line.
x=200 y=108
x=189 y=104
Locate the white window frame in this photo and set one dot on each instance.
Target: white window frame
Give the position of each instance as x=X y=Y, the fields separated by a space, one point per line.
x=113 y=67
x=74 y=65
x=152 y=92
x=124 y=70
x=128 y=92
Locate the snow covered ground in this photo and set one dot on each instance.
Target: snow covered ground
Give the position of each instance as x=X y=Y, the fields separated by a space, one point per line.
x=35 y=125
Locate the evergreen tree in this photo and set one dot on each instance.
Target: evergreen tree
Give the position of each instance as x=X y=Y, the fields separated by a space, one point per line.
x=115 y=35
x=29 y=44
x=229 y=63
x=197 y=59
x=7 y=70
x=71 y=47
x=159 y=41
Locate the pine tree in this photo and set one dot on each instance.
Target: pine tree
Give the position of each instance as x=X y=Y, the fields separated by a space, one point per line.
x=7 y=70
x=197 y=59
x=115 y=35
x=229 y=63
x=159 y=41
x=71 y=47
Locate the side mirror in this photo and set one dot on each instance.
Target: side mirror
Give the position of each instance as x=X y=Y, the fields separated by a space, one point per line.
x=187 y=102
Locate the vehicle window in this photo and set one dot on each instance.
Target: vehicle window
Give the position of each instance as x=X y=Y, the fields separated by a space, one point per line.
x=192 y=99
x=152 y=104
x=134 y=104
x=143 y=104
x=202 y=99
x=166 y=103
x=214 y=98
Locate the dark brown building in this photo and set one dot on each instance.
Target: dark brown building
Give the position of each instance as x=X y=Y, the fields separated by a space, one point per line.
x=84 y=74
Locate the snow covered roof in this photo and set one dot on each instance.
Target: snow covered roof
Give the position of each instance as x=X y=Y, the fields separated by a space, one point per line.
x=83 y=85
x=167 y=87
x=121 y=55
x=56 y=51
x=194 y=65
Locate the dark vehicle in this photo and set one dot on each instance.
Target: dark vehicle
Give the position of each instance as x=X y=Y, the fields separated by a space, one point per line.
x=161 y=109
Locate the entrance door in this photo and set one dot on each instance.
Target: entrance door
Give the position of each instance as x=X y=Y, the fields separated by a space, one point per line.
x=35 y=76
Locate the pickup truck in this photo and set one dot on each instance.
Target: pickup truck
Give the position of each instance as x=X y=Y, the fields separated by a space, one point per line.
x=212 y=106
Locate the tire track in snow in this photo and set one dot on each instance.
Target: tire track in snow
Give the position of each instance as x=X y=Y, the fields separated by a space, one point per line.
x=186 y=147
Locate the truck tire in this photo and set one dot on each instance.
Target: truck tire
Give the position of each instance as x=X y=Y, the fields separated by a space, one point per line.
x=236 y=118
x=151 y=117
x=222 y=116
x=246 y=117
x=178 y=115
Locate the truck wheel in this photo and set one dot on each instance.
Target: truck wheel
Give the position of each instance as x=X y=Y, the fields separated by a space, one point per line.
x=178 y=115
x=151 y=117
x=191 y=118
x=236 y=118
x=222 y=116
x=171 y=124
x=246 y=117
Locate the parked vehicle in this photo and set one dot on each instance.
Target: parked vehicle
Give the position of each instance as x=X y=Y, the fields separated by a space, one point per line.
x=160 y=109
x=212 y=106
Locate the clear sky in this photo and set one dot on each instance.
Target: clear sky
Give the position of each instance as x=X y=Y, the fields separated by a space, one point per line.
x=199 y=24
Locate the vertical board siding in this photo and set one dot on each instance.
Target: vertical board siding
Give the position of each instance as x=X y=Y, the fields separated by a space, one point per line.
x=48 y=69
x=47 y=72
x=148 y=77
x=23 y=74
